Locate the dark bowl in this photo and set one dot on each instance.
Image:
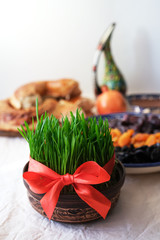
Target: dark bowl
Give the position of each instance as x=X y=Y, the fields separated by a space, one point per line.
x=72 y=209
x=144 y=102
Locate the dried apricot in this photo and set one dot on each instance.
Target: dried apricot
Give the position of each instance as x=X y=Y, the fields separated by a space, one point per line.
x=139 y=137
x=124 y=139
x=157 y=135
x=130 y=132
x=115 y=132
x=151 y=140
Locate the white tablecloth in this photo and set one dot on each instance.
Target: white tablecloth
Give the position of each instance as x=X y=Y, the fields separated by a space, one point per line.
x=136 y=216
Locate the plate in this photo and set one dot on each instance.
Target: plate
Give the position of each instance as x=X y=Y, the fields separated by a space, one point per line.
x=145 y=103
x=142 y=168
x=134 y=168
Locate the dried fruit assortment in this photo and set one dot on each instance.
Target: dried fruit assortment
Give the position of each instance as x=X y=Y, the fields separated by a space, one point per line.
x=136 y=138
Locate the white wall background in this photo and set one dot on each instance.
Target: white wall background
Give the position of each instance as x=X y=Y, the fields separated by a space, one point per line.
x=51 y=39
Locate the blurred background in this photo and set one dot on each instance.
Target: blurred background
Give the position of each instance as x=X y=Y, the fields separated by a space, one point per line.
x=52 y=39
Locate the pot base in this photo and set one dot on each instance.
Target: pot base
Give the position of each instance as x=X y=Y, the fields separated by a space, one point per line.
x=71 y=215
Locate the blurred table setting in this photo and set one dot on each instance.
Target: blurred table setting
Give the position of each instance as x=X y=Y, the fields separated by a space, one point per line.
x=133 y=128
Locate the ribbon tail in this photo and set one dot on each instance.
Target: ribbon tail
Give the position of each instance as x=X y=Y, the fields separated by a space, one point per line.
x=93 y=198
x=110 y=165
x=49 y=200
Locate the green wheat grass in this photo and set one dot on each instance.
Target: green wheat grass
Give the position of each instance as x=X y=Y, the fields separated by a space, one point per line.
x=63 y=147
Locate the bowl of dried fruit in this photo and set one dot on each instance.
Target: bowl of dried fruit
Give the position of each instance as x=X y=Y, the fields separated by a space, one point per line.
x=136 y=137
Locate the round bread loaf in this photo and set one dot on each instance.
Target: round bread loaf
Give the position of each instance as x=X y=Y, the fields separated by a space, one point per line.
x=25 y=96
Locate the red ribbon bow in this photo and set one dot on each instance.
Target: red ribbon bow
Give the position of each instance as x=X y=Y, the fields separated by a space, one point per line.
x=42 y=179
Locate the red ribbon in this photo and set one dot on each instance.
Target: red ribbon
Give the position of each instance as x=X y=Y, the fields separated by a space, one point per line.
x=42 y=179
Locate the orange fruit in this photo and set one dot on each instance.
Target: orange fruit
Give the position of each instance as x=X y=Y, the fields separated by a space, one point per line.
x=111 y=101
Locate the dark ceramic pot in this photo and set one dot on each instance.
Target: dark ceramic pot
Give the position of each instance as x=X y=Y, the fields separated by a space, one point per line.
x=72 y=209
